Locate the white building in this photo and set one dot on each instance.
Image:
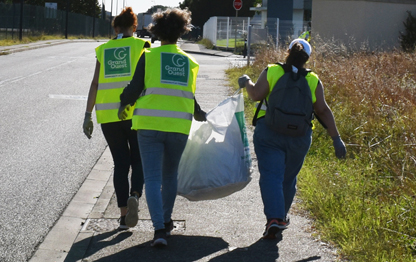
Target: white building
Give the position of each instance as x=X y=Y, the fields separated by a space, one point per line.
x=377 y=23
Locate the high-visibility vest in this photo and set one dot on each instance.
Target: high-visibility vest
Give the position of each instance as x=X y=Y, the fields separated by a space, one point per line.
x=274 y=72
x=118 y=59
x=167 y=101
x=306 y=35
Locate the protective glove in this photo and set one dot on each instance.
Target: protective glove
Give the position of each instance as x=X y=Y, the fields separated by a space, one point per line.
x=340 y=150
x=88 y=126
x=243 y=80
x=122 y=112
x=200 y=116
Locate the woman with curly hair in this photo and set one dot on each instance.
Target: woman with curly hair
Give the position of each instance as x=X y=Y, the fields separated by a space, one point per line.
x=163 y=88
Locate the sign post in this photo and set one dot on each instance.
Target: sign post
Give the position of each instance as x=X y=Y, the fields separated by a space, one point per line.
x=237 y=6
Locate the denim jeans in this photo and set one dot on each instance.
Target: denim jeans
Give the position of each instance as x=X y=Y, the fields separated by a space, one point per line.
x=124 y=148
x=161 y=153
x=280 y=159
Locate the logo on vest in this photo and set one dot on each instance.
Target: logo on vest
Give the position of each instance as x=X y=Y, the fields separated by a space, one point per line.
x=117 y=62
x=175 y=69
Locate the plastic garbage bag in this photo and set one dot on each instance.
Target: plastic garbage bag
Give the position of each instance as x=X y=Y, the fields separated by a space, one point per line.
x=216 y=161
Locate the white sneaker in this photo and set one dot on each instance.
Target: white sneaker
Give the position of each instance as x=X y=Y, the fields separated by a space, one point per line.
x=132 y=215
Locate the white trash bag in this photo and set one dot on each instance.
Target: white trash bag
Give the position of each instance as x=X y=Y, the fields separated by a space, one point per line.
x=216 y=161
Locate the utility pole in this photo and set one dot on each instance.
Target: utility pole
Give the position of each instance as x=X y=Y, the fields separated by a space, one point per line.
x=111 y=18
x=93 y=18
x=21 y=21
x=66 y=19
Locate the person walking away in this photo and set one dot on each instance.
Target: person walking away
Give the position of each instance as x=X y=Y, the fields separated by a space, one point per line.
x=163 y=88
x=280 y=157
x=115 y=65
x=307 y=34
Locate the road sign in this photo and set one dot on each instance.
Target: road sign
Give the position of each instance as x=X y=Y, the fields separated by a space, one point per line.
x=238 y=4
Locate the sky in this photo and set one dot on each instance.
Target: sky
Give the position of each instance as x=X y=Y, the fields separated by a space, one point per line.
x=139 y=6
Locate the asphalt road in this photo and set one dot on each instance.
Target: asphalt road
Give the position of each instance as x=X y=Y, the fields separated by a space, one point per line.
x=45 y=157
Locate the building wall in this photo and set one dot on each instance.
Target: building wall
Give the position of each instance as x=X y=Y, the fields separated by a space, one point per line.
x=376 y=22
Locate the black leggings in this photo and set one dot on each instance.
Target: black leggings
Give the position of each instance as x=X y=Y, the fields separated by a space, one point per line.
x=124 y=148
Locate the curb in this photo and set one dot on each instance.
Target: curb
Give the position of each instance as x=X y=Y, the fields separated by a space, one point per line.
x=91 y=200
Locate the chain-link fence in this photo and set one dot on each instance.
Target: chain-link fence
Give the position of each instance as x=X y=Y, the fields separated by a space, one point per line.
x=232 y=32
x=38 y=20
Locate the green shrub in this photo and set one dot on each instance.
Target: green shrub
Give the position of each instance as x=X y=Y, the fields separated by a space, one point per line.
x=206 y=42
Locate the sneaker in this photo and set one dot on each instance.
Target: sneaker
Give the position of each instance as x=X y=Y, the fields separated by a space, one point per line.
x=282 y=224
x=122 y=225
x=159 y=239
x=271 y=229
x=132 y=215
x=169 y=227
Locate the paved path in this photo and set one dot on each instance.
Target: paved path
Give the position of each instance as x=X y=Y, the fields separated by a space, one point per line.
x=228 y=229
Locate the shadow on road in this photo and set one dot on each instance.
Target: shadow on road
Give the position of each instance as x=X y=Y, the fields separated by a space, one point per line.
x=180 y=248
x=264 y=250
x=78 y=250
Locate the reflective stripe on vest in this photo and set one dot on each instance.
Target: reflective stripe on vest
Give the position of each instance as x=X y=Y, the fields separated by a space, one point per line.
x=107 y=106
x=168 y=92
x=162 y=113
x=263 y=106
x=104 y=86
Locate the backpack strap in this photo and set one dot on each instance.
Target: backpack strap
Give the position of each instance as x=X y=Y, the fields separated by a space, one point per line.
x=254 y=121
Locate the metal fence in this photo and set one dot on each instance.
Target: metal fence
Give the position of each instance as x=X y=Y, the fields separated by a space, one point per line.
x=232 y=32
x=38 y=20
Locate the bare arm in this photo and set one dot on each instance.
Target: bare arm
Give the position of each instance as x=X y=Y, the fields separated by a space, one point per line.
x=93 y=89
x=323 y=111
x=260 y=89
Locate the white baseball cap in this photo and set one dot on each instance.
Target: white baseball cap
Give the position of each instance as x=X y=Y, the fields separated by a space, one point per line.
x=306 y=46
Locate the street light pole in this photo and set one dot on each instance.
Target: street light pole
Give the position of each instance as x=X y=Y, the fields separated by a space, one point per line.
x=111 y=18
x=21 y=21
x=66 y=19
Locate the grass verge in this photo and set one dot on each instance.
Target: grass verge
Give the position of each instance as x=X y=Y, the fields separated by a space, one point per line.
x=364 y=205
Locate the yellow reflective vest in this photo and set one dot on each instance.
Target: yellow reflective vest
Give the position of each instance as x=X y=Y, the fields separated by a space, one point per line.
x=274 y=72
x=118 y=59
x=167 y=101
x=306 y=35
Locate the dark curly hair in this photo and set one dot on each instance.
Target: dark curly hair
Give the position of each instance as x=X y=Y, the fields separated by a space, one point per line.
x=125 y=19
x=297 y=56
x=171 y=24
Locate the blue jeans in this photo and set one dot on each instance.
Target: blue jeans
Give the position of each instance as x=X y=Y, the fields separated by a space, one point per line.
x=280 y=159
x=161 y=153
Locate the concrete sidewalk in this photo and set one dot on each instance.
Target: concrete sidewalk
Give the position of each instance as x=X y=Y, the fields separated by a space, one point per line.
x=227 y=229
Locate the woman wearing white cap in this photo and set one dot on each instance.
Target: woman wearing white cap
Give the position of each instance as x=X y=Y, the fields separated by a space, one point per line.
x=280 y=157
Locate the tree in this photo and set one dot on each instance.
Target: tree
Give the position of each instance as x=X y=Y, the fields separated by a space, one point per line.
x=202 y=10
x=84 y=7
x=154 y=8
x=408 y=38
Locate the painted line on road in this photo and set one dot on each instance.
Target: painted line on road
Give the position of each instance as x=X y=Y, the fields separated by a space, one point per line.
x=71 y=97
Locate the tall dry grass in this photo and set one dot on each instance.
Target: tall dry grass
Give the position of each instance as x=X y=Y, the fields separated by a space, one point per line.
x=366 y=204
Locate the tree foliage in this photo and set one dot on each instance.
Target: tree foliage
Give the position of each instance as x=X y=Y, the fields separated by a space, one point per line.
x=84 y=7
x=154 y=8
x=408 y=38
x=202 y=10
